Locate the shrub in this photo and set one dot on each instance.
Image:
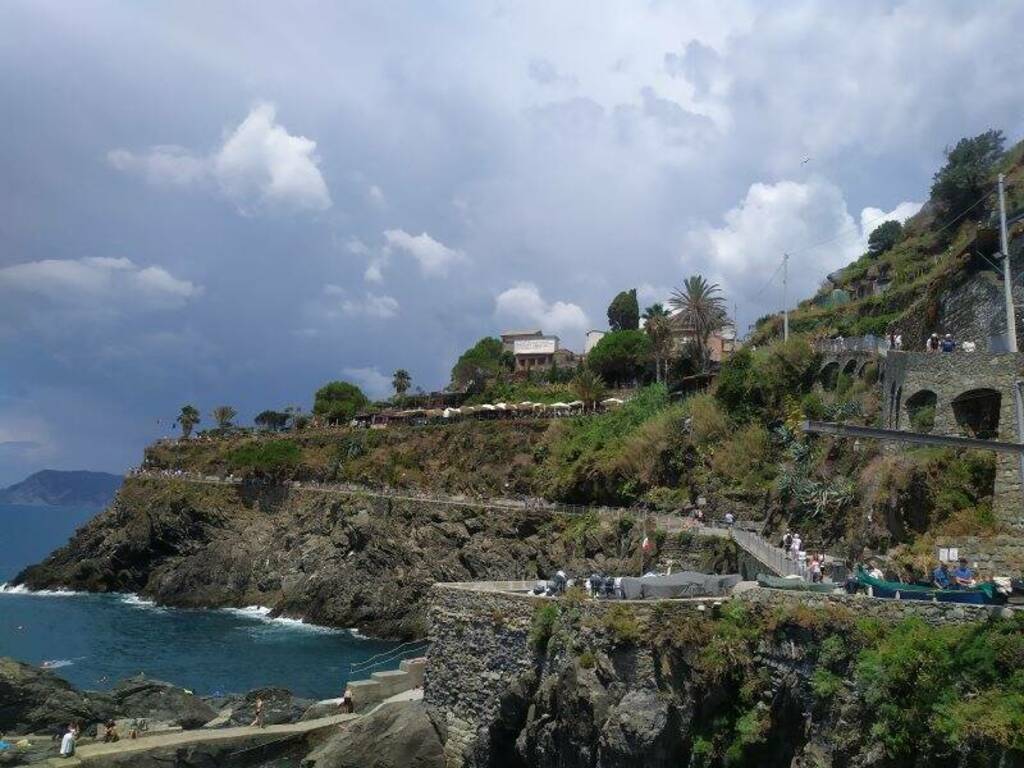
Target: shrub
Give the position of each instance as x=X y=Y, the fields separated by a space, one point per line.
x=622 y=625
x=742 y=459
x=587 y=659
x=542 y=626
x=273 y=458
x=707 y=422
x=923 y=419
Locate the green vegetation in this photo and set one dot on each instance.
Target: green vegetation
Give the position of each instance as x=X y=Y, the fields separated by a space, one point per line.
x=588 y=387
x=621 y=357
x=273 y=421
x=963 y=179
x=187 y=419
x=621 y=624
x=624 y=312
x=401 y=381
x=481 y=362
x=223 y=415
x=700 y=309
x=884 y=236
x=275 y=458
x=339 y=401
x=542 y=626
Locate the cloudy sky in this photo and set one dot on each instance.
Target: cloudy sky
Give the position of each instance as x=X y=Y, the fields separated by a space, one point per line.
x=234 y=202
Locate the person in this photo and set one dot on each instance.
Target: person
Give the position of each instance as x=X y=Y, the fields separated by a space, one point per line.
x=110 y=732
x=892 y=338
x=258 y=719
x=941 y=578
x=67 y=743
x=787 y=539
x=795 y=546
x=899 y=341
x=815 y=569
x=875 y=572
x=347 y=704
x=932 y=345
x=729 y=519
x=963 y=575
x=948 y=345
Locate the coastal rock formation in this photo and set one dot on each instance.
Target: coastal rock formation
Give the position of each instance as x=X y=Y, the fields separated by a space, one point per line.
x=34 y=700
x=279 y=706
x=398 y=735
x=160 y=701
x=343 y=560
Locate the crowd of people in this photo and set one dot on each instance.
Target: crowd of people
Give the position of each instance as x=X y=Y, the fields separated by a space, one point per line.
x=811 y=565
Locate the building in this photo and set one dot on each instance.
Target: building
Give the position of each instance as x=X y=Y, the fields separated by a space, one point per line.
x=509 y=338
x=534 y=353
x=721 y=343
x=592 y=338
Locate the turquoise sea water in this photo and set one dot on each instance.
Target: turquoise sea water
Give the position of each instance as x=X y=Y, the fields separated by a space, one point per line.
x=94 y=640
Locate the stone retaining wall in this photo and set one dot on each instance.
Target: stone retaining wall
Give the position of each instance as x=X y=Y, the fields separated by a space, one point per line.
x=948 y=376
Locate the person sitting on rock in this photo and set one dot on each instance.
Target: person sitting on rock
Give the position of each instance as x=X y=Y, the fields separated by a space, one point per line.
x=941 y=578
x=110 y=732
x=963 y=575
x=948 y=344
x=67 y=743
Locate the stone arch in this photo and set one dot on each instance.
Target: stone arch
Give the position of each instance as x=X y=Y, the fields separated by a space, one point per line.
x=829 y=375
x=921 y=410
x=850 y=369
x=977 y=412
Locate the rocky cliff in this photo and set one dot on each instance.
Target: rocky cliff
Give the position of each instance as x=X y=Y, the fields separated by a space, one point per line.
x=764 y=680
x=343 y=559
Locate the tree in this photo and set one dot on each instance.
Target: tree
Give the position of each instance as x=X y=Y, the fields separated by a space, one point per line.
x=884 y=236
x=484 y=360
x=275 y=421
x=621 y=356
x=338 y=401
x=296 y=417
x=659 y=330
x=401 y=381
x=655 y=310
x=588 y=386
x=624 y=312
x=965 y=176
x=700 y=312
x=223 y=414
x=187 y=419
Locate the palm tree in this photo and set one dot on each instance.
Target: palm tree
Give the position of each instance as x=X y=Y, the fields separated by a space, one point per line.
x=700 y=310
x=659 y=330
x=655 y=310
x=223 y=414
x=589 y=387
x=187 y=419
x=401 y=381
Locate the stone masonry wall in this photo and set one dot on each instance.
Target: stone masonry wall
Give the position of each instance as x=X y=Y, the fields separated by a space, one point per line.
x=949 y=376
x=480 y=643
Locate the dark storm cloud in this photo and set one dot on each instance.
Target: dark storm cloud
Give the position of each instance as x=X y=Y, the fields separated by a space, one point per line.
x=212 y=207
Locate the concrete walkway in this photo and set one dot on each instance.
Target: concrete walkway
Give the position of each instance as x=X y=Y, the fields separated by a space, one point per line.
x=88 y=753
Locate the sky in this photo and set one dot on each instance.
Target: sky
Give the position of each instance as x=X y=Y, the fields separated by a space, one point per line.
x=234 y=203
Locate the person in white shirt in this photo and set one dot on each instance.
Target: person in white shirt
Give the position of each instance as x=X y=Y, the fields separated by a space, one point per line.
x=67 y=744
x=795 y=545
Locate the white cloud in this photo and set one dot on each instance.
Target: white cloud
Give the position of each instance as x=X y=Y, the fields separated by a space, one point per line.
x=375 y=384
x=259 y=166
x=370 y=304
x=97 y=281
x=433 y=256
x=523 y=305
x=808 y=220
x=871 y=218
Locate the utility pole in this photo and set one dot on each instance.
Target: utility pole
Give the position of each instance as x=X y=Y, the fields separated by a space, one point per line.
x=785 y=297
x=1004 y=246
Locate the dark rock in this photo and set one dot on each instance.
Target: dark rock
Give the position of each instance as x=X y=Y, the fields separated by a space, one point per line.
x=279 y=706
x=398 y=735
x=160 y=701
x=34 y=700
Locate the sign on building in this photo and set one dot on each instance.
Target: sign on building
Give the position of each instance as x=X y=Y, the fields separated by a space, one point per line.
x=535 y=346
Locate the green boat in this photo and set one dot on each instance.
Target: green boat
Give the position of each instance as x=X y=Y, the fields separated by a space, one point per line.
x=983 y=594
x=794 y=585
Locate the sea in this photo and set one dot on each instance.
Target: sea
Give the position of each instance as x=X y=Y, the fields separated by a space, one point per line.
x=95 y=640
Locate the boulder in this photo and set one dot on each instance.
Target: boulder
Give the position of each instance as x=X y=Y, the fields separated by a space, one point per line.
x=34 y=700
x=162 y=702
x=279 y=706
x=398 y=735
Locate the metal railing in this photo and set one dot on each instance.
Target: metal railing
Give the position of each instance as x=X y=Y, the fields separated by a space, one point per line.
x=773 y=558
x=409 y=650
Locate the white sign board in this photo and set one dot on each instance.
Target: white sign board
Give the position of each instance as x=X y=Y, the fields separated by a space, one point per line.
x=535 y=346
